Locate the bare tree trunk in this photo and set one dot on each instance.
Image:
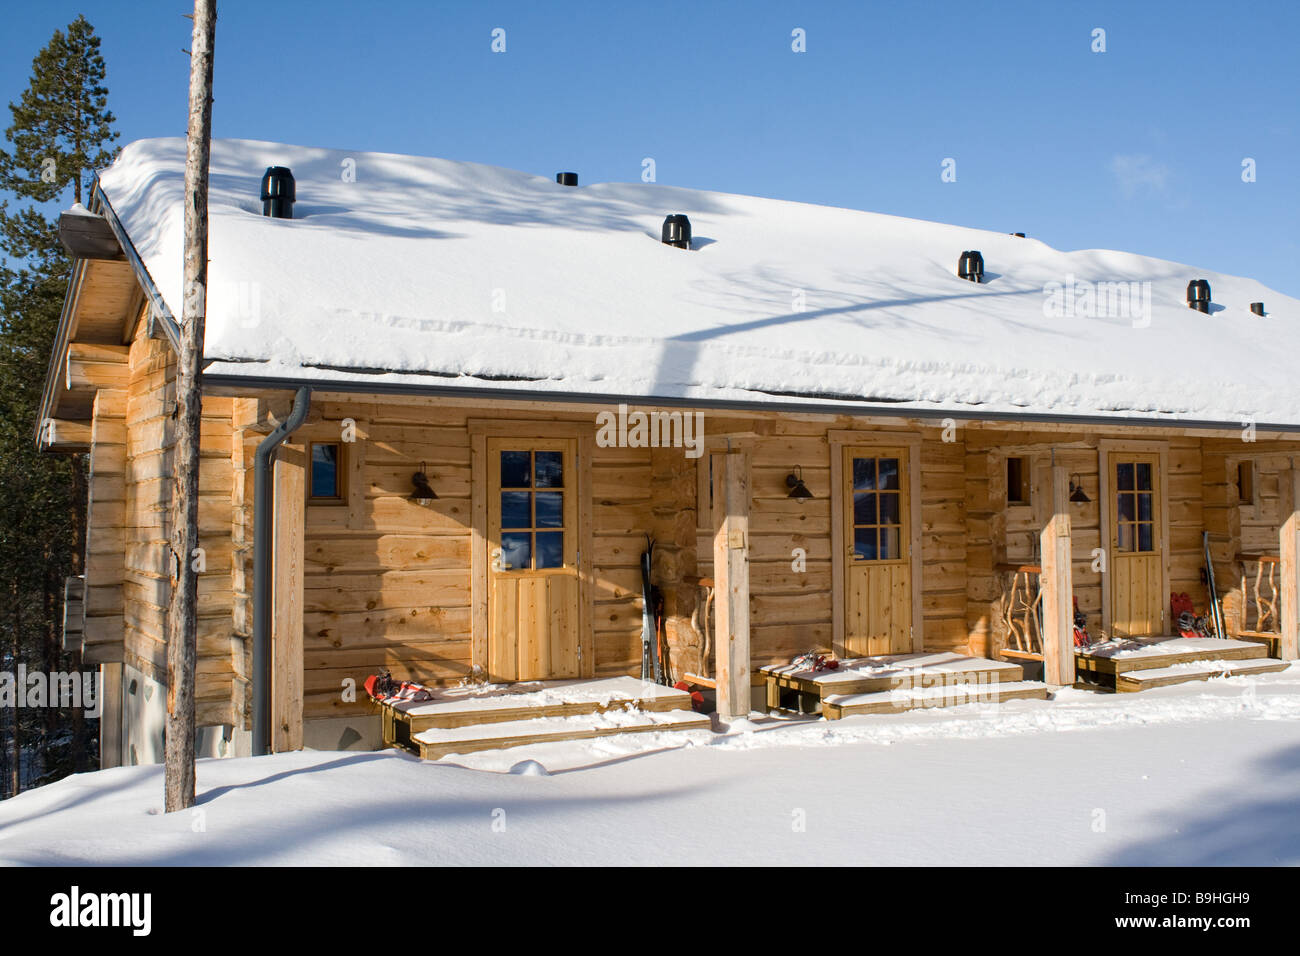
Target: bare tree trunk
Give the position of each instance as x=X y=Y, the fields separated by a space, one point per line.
x=182 y=617
x=15 y=763
x=80 y=496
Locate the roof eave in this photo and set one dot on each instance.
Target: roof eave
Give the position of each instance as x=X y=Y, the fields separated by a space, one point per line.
x=858 y=410
x=58 y=354
x=160 y=316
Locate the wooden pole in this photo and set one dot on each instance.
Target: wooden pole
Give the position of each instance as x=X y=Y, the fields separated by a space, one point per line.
x=1289 y=542
x=287 y=599
x=1057 y=586
x=182 y=627
x=731 y=580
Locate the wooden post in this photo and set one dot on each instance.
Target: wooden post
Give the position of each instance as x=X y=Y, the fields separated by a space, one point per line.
x=731 y=579
x=110 y=715
x=287 y=599
x=182 y=629
x=1057 y=587
x=1289 y=541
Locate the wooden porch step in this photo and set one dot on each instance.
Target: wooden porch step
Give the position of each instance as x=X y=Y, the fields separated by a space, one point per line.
x=1270 y=639
x=1148 y=653
x=899 y=700
x=866 y=675
x=1137 y=680
x=440 y=741
x=464 y=706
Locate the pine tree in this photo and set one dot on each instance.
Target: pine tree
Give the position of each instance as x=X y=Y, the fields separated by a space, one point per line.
x=61 y=133
x=62 y=129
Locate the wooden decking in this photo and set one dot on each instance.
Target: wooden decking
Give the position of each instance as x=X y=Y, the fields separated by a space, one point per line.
x=1127 y=665
x=895 y=683
x=492 y=717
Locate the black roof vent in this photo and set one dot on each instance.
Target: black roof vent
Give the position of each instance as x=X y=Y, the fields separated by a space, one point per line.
x=677 y=231
x=277 y=193
x=971 y=266
x=567 y=179
x=1198 y=295
x=1257 y=308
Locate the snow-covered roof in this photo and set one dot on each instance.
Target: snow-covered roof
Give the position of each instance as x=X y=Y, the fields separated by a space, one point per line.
x=431 y=272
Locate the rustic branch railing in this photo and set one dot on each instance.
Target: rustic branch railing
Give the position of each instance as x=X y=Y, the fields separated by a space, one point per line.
x=700 y=623
x=1267 y=592
x=1022 y=610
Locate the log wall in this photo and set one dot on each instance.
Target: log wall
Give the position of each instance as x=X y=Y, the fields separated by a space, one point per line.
x=387 y=580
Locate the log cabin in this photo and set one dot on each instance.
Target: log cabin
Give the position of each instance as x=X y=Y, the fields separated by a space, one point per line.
x=446 y=405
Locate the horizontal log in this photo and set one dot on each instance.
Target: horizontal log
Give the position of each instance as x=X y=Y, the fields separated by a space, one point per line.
x=63 y=435
x=88 y=236
x=91 y=367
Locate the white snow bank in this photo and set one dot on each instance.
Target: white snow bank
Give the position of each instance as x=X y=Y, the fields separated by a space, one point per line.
x=1198 y=774
x=537 y=694
x=433 y=272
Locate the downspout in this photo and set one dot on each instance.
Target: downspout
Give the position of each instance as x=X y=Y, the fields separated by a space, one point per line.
x=263 y=523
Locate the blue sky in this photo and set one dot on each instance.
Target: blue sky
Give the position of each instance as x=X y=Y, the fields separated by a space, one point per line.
x=1138 y=148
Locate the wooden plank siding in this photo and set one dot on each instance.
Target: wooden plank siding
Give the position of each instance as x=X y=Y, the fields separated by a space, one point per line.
x=147 y=563
x=388 y=582
x=1238 y=525
x=1002 y=533
x=106 y=522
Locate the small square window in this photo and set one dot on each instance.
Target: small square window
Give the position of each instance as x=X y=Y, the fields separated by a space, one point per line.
x=1017 y=481
x=1246 y=482
x=325 y=477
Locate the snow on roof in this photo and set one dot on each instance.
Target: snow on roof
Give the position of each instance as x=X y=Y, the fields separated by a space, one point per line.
x=432 y=272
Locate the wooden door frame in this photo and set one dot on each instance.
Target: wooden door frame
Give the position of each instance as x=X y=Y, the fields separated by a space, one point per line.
x=1105 y=448
x=910 y=441
x=480 y=430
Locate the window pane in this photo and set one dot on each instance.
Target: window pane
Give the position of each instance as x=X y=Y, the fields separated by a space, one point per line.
x=864 y=473
x=1125 y=537
x=864 y=507
x=1124 y=505
x=864 y=544
x=889 y=509
x=1145 y=538
x=324 y=471
x=889 y=473
x=1124 y=476
x=516 y=551
x=549 y=469
x=889 y=545
x=514 y=469
x=1144 y=476
x=1144 y=507
x=550 y=510
x=514 y=509
x=550 y=549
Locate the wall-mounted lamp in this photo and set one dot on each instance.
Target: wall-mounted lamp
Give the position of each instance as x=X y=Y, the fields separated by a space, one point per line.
x=423 y=493
x=1077 y=494
x=794 y=481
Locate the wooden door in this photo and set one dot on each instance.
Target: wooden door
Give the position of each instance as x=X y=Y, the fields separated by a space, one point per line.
x=1136 y=547
x=533 y=559
x=878 y=565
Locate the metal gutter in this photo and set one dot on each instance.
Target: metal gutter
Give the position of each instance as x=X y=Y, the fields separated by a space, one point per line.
x=263 y=503
x=858 y=410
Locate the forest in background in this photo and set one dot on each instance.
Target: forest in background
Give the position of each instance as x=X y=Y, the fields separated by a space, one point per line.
x=61 y=133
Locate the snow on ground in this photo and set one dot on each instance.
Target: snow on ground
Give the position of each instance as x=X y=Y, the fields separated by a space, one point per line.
x=431 y=272
x=1197 y=774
